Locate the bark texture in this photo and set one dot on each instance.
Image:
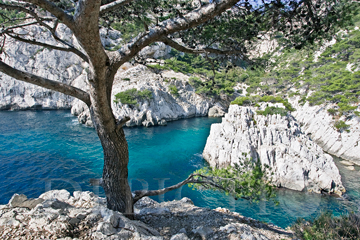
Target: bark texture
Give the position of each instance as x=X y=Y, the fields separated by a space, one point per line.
x=115 y=171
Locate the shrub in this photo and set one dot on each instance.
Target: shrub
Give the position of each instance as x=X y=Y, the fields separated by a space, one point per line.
x=272 y=111
x=294 y=94
x=341 y=126
x=131 y=96
x=326 y=227
x=126 y=97
x=241 y=101
x=253 y=100
x=173 y=90
x=157 y=67
x=332 y=111
x=345 y=108
x=128 y=30
x=248 y=180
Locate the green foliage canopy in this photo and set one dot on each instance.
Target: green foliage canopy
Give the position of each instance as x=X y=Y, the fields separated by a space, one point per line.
x=131 y=96
x=253 y=100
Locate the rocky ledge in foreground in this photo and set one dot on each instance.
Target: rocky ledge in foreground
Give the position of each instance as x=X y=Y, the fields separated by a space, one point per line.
x=297 y=162
x=57 y=215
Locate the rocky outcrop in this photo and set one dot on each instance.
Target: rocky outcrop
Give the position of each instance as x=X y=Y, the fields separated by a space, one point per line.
x=55 y=65
x=52 y=64
x=58 y=215
x=297 y=162
x=319 y=124
x=165 y=104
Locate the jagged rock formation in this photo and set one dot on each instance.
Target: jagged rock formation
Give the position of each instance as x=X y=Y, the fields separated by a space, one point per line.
x=319 y=124
x=55 y=65
x=163 y=107
x=297 y=162
x=57 y=215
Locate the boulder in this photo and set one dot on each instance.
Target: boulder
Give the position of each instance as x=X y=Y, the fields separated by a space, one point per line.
x=216 y=111
x=22 y=201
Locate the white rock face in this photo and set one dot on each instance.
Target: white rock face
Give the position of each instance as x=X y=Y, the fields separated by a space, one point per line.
x=297 y=162
x=59 y=216
x=320 y=124
x=54 y=65
x=163 y=107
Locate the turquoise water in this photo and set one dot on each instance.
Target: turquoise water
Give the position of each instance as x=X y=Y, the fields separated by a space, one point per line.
x=43 y=150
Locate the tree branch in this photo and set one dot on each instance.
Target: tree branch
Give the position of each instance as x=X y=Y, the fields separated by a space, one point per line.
x=7 y=29
x=113 y=5
x=27 y=11
x=180 y=47
x=46 y=83
x=122 y=122
x=185 y=49
x=34 y=42
x=196 y=17
x=55 y=10
x=142 y=193
x=40 y=21
x=189 y=20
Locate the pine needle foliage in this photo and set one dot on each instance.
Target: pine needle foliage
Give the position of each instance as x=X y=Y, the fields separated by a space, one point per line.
x=247 y=180
x=253 y=100
x=131 y=96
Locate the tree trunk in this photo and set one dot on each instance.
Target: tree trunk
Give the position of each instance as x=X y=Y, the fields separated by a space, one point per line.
x=116 y=155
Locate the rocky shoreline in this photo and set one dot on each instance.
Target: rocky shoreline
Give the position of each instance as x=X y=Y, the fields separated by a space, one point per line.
x=58 y=215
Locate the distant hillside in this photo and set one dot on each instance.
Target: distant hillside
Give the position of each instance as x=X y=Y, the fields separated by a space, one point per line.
x=326 y=72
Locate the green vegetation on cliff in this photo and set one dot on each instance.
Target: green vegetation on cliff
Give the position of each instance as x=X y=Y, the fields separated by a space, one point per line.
x=131 y=96
x=333 y=77
x=330 y=77
x=210 y=77
x=254 y=100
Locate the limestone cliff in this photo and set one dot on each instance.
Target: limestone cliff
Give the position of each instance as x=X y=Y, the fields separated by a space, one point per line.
x=297 y=162
x=319 y=125
x=164 y=105
x=52 y=64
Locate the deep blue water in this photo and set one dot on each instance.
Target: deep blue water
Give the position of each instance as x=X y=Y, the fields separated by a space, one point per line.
x=43 y=150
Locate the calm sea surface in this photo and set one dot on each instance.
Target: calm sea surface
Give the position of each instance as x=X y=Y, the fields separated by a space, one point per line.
x=43 y=150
